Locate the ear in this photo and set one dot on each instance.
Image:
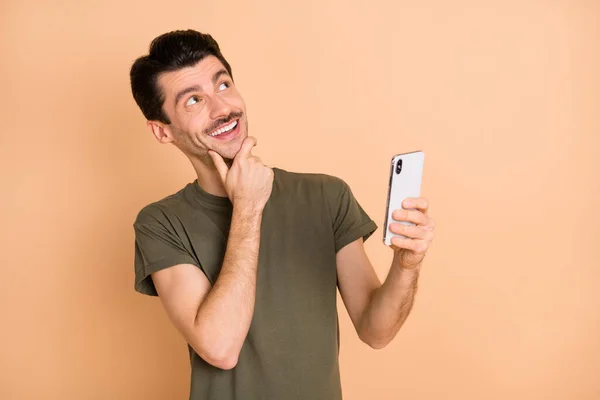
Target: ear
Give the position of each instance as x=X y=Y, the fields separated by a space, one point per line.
x=161 y=132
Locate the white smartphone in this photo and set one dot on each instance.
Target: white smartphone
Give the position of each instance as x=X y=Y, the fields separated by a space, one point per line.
x=406 y=175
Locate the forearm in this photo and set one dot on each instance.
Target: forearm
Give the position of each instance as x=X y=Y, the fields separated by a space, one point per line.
x=389 y=305
x=223 y=319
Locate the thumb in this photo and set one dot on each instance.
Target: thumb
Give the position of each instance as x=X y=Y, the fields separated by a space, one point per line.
x=219 y=164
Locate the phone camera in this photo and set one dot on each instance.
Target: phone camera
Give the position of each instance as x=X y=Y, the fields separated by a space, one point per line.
x=399 y=166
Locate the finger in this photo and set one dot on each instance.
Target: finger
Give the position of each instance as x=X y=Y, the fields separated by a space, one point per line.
x=247 y=146
x=414 y=216
x=414 y=232
x=219 y=164
x=416 y=246
x=430 y=226
x=255 y=159
x=420 y=203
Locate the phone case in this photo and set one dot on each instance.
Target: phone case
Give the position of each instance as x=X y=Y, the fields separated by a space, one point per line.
x=406 y=175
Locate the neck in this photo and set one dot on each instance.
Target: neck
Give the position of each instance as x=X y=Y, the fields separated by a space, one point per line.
x=209 y=179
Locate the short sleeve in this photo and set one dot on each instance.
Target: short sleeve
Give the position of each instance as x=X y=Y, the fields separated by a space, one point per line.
x=350 y=221
x=157 y=246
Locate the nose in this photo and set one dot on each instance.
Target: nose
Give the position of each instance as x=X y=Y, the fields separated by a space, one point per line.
x=220 y=108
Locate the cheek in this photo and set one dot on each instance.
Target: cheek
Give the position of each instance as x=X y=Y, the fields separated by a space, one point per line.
x=197 y=122
x=184 y=130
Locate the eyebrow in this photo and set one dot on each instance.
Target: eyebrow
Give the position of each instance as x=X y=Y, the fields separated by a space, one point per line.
x=195 y=88
x=198 y=88
x=218 y=74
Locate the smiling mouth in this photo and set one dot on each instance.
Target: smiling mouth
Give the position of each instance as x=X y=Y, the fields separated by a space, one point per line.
x=224 y=129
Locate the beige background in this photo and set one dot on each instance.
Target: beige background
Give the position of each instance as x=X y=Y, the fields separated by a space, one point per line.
x=503 y=96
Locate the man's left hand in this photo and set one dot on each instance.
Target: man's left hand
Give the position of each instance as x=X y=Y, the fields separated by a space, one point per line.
x=410 y=251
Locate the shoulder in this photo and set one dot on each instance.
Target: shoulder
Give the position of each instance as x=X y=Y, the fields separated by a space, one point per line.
x=322 y=181
x=160 y=211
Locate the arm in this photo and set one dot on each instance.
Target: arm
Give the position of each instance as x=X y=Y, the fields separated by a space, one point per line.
x=378 y=311
x=215 y=321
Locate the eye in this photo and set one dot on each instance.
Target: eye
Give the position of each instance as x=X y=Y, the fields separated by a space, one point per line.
x=223 y=86
x=192 y=100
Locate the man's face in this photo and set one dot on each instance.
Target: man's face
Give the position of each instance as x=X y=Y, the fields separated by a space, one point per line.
x=205 y=109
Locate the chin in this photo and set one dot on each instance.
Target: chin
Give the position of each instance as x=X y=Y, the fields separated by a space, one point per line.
x=230 y=151
x=234 y=147
x=230 y=154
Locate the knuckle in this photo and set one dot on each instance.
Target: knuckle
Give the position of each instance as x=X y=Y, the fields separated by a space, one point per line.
x=416 y=247
x=398 y=242
x=412 y=216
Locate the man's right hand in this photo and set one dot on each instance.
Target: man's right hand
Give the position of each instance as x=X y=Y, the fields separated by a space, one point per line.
x=248 y=182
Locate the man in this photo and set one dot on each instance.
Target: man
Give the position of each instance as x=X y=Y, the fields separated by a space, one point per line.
x=246 y=260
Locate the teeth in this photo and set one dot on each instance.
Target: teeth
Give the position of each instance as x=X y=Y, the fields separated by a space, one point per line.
x=224 y=129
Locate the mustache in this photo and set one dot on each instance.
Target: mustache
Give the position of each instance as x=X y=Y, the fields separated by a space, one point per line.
x=223 y=121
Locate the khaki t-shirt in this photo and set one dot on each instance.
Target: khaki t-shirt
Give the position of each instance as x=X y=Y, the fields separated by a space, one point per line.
x=291 y=351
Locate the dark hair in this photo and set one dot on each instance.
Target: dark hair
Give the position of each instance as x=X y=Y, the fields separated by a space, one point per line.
x=168 y=52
